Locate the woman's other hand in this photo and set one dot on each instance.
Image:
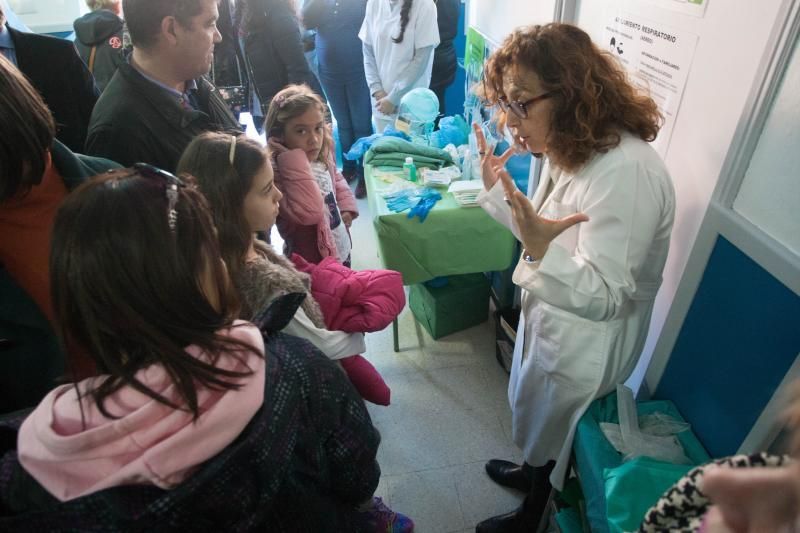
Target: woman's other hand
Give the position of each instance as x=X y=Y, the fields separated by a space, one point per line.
x=536 y=232
x=347 y=218
x=490 y=163
x=385 y=106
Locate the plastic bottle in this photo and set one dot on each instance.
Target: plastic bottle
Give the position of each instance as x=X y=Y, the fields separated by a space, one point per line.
x=410 y=169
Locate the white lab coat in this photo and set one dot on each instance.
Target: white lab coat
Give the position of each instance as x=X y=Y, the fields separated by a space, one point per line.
x=586 y=305
x=381 y=24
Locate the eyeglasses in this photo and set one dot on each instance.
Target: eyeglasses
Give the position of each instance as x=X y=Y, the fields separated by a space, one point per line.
x=521 y=108
x=171 y=181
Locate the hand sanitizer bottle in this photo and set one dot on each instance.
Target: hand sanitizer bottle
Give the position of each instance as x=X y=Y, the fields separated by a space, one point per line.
x=410 y=170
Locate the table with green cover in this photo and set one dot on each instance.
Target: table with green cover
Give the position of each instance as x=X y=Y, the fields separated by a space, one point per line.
x=453 y=240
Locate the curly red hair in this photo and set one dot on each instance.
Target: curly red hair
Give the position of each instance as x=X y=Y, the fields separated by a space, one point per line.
x=594 y=100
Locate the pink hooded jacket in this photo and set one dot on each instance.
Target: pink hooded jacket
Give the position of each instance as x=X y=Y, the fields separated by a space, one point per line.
x=304 y=220
x=150 y=443
x=354 y=301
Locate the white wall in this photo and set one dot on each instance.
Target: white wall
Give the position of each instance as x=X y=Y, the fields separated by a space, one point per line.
x=496 y=18
x=769 y=196
x=732 y=35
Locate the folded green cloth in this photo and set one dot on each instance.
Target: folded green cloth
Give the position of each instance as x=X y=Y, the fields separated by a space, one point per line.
x=392 y=152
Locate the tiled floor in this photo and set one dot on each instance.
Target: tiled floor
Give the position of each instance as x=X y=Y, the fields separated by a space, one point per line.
x=449 y=415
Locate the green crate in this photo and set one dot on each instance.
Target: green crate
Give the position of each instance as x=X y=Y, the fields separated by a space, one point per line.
x=461 y=304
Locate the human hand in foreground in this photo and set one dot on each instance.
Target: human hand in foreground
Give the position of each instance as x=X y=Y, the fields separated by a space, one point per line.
x=752 y=500
x=490 y=164
x=536 y=232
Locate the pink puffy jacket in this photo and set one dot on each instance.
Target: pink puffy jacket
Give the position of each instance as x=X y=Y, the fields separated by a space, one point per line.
x=304 y=220
x=354 y=301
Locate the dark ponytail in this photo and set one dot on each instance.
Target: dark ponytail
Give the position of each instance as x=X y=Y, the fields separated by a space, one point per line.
x=405 y=11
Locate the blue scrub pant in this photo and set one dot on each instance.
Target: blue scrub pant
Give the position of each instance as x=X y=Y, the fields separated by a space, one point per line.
x=350 y=101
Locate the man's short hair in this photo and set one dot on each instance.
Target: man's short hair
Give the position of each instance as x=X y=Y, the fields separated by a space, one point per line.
x=144 y=17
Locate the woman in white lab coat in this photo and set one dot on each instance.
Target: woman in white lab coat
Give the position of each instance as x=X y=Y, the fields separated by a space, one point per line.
x=399 y=37
x=595 y=238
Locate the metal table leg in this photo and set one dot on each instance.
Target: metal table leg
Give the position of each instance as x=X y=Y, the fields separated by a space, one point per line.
x=395 y=335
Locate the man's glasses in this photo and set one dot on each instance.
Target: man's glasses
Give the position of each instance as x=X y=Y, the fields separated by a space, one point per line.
x=171 y=182
x=521 y=108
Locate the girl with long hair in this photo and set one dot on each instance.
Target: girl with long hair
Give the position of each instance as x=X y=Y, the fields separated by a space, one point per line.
x=236 y=175
x=342 y=72
x=317 y=206
x=196 y=421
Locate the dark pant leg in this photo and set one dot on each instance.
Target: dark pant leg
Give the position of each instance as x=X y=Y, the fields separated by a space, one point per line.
x=360 y=106
x=536 y=500
x=336 y=91
x=439 y=90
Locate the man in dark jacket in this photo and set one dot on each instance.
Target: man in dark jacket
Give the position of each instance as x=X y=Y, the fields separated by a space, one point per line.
x=159 y=100
x=98 y=38
x=274 y=47
x=55 y=69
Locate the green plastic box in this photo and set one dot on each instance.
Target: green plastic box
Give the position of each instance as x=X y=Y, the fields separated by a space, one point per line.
x=460 y=304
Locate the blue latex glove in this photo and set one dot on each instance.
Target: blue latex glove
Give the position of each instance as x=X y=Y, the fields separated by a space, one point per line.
x=400 y=203
x=403 y=199
x=361 y=146
x=425 y=204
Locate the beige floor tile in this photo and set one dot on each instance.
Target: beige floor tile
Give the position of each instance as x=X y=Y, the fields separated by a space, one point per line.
x=449 y=415
x=429 y=498
x=439 y=417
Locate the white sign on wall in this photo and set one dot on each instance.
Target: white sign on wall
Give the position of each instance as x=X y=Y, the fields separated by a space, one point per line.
x=658 y=58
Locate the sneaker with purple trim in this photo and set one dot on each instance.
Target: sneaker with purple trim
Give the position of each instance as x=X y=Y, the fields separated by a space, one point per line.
x=381 y=519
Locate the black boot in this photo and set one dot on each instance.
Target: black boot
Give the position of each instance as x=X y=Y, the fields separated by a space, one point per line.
x=510 y=475
x=512 y=522
x=361 y=188
x=350 y=173
x=527 y=517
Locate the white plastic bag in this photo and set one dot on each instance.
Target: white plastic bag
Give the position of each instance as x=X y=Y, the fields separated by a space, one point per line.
x=655 y=438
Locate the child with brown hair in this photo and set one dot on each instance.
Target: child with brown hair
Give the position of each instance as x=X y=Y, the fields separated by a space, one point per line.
x=317 y=207
x=197 y=420
x=236 y=176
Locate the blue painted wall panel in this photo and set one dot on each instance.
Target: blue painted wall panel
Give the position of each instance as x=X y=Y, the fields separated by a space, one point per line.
x=739 y=338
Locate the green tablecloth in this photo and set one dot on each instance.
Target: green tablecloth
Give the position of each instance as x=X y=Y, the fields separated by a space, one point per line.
x=452 y=240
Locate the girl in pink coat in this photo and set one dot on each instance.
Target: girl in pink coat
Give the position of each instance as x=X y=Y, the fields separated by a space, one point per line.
x=317 y=207
x=235 y=175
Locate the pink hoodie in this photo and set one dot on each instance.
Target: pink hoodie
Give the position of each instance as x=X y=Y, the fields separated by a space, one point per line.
x=304 y=220
x=150 y=443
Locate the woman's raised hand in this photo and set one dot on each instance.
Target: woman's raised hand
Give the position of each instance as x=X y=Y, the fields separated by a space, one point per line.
x=490 y=164
x=536 y=232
